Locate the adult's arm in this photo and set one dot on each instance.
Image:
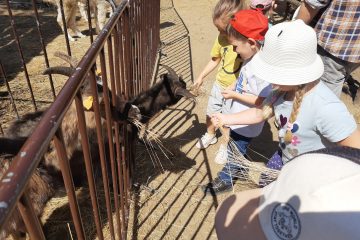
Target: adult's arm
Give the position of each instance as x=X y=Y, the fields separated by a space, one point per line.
x=309 y=9
x=352 y=141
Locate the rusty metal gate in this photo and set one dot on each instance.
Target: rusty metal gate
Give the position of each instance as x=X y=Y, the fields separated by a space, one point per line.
x=125 y=52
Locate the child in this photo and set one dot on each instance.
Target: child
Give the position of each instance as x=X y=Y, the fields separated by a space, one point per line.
x=230 y=63
x=246 y=32
x=309 y=115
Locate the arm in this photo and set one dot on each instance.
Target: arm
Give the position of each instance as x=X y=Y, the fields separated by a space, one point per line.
x=244 y=98
x=210 y=66
x=309 y=9
x=250 y=116
x=351 y=141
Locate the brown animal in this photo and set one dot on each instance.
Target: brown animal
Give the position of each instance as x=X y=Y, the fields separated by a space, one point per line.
x=168 y=91
x=40 y=189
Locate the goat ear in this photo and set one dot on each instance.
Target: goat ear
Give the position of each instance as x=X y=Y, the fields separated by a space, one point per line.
x=172 y=73
x=67 y=71
x=185 y=93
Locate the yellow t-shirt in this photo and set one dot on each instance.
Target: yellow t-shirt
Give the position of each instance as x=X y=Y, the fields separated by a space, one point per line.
x=230 y=62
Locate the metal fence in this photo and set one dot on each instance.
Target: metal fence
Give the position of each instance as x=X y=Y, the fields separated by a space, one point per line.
x=126 y=52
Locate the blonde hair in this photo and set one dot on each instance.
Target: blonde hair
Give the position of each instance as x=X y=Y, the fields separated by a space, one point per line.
x=299 y=95
x=226 y=8
x=268 y=110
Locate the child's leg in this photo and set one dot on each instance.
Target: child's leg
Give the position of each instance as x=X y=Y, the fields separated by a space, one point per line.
x=222 y=153
x=231 y=169
x=210 y=128
x=215 y=104
x=224 y=181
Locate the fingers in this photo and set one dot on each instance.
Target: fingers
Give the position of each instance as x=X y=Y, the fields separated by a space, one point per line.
x=216 y=119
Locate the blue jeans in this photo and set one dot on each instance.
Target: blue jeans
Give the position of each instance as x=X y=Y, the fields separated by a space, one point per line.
x=230 y=169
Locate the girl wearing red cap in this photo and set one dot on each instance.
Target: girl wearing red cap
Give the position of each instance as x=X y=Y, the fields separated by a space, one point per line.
x=246 y=33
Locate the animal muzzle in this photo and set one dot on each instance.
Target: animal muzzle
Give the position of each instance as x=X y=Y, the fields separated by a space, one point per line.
x=185 y=93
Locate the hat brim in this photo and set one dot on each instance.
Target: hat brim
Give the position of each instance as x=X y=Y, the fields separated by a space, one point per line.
x=284 y=75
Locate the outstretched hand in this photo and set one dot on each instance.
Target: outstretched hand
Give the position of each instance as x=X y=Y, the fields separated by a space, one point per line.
x=196 y=87
x=217 y=120
x=227 y=93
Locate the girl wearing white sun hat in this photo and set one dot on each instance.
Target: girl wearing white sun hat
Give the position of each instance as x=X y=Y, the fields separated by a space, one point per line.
x=308 y=115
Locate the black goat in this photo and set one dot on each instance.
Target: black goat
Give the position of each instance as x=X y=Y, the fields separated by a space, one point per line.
x=166 y=92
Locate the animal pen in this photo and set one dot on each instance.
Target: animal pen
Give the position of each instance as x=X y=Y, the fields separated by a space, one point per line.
x=122 y=59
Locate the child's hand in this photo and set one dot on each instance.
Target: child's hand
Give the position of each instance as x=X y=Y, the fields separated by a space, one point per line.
x=197 y=84
x=227 y=93
x=217 y=119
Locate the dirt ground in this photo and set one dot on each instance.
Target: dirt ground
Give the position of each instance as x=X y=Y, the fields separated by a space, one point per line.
x=167 y=201
x=170 y=204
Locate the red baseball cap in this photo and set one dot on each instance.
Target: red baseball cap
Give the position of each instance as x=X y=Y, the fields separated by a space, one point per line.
x=251 y=23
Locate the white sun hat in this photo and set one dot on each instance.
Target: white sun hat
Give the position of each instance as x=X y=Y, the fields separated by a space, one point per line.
x=316 y=196
x=289 y=55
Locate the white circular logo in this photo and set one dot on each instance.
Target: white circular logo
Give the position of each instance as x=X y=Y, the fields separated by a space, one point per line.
x=285 y=222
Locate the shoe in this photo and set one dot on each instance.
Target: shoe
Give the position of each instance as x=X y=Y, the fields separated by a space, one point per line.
x=222 y=154
x=216 y=187
x=206 y=140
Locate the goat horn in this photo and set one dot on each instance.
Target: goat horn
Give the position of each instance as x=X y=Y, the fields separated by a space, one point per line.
x=67 y=71
x=185 y=93
x=171 y=71
x=71 y=60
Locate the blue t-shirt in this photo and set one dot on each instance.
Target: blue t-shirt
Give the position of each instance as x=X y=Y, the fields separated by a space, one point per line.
x=322 y=121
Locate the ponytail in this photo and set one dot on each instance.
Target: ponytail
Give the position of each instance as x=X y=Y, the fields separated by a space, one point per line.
x=299 y=94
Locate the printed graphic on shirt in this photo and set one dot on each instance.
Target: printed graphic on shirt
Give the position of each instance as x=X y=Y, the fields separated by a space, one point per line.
x=239 y=84
x=285 y=222
x=284 y=126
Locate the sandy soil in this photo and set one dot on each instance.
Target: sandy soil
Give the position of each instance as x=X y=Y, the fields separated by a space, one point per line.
x=170 y=204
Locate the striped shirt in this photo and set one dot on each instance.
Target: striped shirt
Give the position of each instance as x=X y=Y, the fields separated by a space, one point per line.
x=338 y=28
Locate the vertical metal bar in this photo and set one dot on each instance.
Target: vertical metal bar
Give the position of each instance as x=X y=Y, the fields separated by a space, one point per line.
x=143 y=45
x=100 y=139
x=117 y=130
x=2 y=71
x=43 y=46
x=69 y=184
x=65 y=28
x=122 y=58
x=128 y=71
x=121 y=88
x=32 y=223
x=88 y=12
x=136 y=48
x=88 y=164
x=21 y=54
x=109 y=124
x=124 y=159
